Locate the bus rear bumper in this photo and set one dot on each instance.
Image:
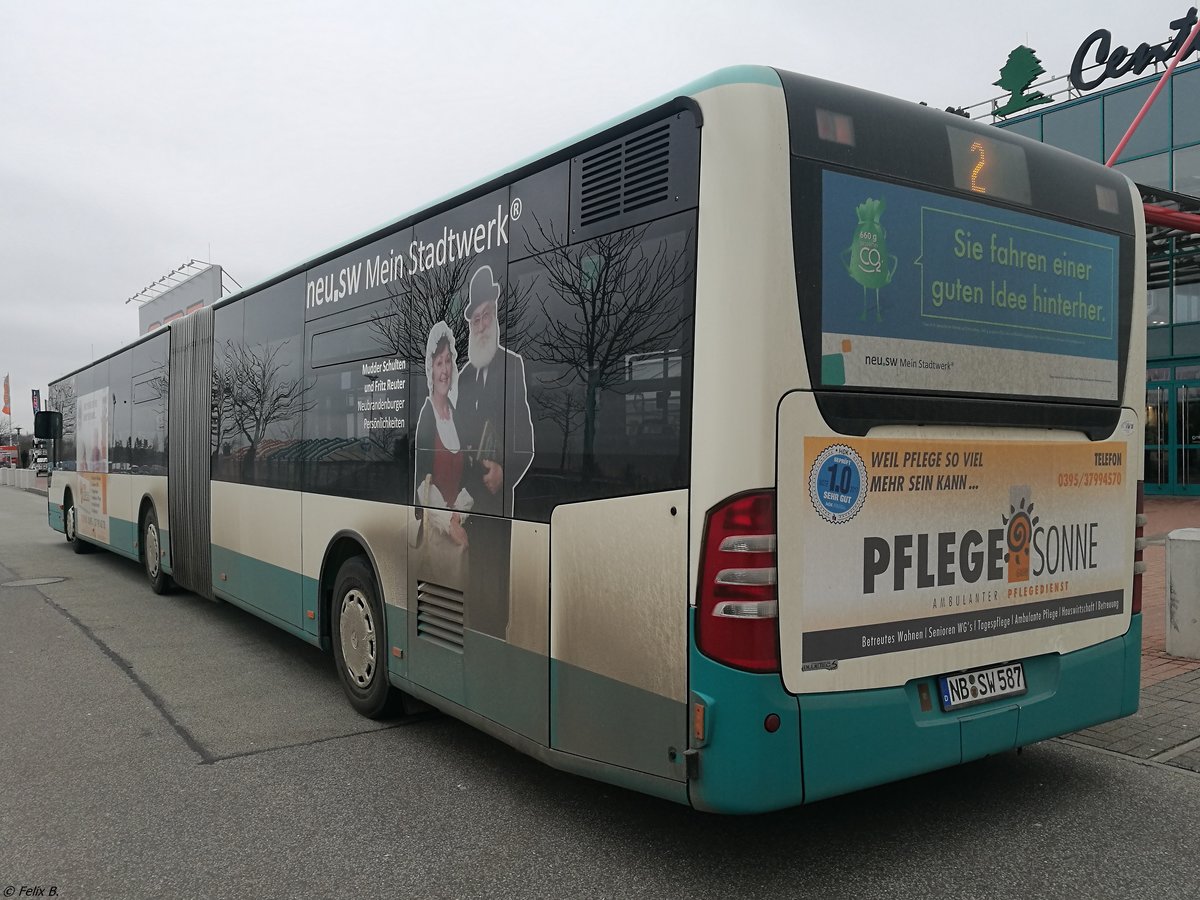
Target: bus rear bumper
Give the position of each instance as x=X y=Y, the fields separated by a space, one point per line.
x=859 y=739
x=830 y=744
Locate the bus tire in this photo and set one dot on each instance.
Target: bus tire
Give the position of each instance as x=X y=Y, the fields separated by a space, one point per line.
x=359 y=637
x=71 y=528
x=160 y=581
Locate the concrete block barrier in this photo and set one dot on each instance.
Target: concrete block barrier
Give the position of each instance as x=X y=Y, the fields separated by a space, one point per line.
x=1183 y=593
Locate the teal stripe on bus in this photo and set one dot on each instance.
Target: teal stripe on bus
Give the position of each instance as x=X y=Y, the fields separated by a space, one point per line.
x=651 y=725
x=55 y=518
x=311 y=600
x=507 y=684
x=123 y=537
x=500 y=681
x=397 y=632
x=262 y=587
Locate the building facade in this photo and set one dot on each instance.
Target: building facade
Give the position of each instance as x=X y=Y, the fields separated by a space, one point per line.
x=1163 y=158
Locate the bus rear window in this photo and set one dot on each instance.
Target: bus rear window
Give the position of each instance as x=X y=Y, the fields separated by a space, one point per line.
x=936 y=293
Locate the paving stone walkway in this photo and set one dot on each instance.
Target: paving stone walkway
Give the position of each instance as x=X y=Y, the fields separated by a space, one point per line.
x=1166 y=727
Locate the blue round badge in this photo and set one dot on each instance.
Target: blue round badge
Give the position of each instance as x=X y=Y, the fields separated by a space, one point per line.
x=837 y=484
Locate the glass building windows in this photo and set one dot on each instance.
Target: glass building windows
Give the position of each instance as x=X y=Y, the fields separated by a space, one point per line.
x=1154 y=133
x=1187 y=302
x=1076 y=129
x=1187 y=170
x=1158 y=306
x=1152 y=171
x=1030 y=128
x=1185 y=101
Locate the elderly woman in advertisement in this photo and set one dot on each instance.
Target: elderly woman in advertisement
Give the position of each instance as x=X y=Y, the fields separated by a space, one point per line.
x=440 y=462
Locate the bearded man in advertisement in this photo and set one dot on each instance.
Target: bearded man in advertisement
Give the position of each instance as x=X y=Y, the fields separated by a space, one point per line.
x=491 y=383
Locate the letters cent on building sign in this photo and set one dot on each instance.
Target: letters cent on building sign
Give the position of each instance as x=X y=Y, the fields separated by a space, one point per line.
x=1097 y=49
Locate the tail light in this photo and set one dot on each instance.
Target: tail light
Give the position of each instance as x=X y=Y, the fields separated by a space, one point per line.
x=737 y=603
x=1139 y=542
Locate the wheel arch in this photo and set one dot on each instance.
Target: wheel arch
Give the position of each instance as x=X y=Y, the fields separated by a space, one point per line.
x=344 y=545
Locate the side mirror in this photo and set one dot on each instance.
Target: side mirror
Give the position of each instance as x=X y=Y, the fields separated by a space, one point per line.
x=47 y=425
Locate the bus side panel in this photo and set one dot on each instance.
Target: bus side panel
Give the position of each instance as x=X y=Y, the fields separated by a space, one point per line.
x=508 y=680
x=256 y=548
x=122 y=516
x=618 y=631
x=478 y=636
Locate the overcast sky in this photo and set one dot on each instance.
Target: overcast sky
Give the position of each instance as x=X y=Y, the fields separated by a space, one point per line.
x=135 y=136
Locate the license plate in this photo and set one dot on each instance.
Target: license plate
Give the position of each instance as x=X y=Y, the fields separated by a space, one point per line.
x=982 y=685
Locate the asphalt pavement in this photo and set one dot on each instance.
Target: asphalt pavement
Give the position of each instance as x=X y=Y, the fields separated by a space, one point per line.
x=172 y=747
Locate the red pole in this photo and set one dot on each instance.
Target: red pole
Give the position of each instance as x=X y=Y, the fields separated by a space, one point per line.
x=1137 y=120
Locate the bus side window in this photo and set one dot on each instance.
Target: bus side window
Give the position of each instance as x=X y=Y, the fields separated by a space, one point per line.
x=607 y=423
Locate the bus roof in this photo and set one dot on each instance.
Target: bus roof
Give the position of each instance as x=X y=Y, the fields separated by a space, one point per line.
x=730 y=75
x=727 y=76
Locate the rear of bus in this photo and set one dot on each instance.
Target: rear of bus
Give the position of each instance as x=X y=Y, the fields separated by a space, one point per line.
x=916 y=451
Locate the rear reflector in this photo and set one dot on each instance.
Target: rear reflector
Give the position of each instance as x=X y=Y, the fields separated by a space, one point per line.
x=737 y=604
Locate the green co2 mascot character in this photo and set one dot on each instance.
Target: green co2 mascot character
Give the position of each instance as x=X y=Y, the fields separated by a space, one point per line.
x=866 y=259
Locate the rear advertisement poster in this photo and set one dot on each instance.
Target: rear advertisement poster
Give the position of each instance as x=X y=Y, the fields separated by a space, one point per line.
x=913 y=544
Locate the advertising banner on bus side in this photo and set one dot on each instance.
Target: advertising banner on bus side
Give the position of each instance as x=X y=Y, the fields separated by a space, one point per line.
x=91 y=462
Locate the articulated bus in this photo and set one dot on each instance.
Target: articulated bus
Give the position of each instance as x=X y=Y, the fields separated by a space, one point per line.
x=777 y=440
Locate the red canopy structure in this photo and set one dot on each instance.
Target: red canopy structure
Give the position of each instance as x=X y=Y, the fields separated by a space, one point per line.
x=1174 y=219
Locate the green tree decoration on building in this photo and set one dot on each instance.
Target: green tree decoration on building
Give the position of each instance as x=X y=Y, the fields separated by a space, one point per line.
x=1022 y=68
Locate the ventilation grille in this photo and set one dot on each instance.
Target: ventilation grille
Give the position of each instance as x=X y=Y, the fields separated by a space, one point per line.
x=625 y=177
x=440 y=615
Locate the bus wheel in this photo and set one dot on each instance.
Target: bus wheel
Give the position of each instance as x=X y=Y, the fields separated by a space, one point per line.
x=71 y=527
x=160 y=581
x=359 y=640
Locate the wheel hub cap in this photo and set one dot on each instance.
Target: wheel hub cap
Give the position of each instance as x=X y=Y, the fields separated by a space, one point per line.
x=358 y=637
x=152 y=551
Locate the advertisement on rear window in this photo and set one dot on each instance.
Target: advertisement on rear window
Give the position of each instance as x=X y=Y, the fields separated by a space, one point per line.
x=928 y=292
x=912 y=544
